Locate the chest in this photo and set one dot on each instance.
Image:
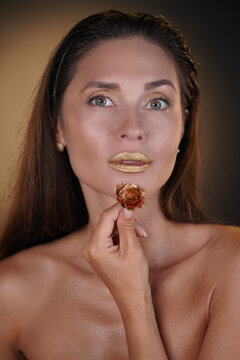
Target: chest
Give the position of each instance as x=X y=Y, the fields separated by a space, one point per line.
x=89 y=326
x=74 y=325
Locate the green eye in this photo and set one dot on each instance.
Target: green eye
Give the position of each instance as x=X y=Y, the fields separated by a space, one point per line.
x=103 y=101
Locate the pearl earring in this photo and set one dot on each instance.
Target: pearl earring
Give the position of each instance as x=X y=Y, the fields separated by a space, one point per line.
x=178 y=151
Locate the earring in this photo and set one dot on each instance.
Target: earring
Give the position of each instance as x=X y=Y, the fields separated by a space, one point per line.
x=178 y=151
x=60 y=147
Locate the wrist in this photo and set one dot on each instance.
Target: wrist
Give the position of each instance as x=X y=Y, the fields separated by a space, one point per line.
x=135 y=303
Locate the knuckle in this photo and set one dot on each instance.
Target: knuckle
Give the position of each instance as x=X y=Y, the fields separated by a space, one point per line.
x=92 y=252
x=126 y=227
x=85 y=254
x=89 y=252
x=104 y=215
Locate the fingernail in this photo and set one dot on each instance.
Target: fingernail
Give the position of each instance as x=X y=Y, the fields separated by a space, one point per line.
x=144 y=231
x=127 y=214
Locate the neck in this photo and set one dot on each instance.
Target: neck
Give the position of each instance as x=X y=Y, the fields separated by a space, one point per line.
x=162 y=244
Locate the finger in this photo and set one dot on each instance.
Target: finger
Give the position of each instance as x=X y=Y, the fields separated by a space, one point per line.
x=113 y=249
x=139 y=229
x=114 y=240
x=126 y=229
x=105 y=226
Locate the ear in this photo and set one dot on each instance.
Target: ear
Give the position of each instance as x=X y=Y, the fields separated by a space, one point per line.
x=60 y=132
x=185 y=118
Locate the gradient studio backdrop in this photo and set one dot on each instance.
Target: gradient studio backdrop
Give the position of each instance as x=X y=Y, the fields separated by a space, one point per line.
x=30 y=30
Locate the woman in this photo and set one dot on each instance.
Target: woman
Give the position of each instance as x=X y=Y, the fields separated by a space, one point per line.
x=80 y=278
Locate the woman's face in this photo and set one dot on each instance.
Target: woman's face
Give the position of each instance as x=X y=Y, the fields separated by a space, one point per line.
x=99 y=121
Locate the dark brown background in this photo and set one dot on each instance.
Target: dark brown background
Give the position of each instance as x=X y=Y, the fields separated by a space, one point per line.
x=30 y=30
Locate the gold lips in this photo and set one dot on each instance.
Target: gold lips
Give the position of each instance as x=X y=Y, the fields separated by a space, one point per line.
x=130 y=162
x=130 y=156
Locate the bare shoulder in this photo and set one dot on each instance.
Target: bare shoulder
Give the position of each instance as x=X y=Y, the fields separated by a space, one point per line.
x=24 y=277
x=37 y=266
x=223 y=267
x=34 y=271
x=225 y=244
x=223 y=262
x=21 y=271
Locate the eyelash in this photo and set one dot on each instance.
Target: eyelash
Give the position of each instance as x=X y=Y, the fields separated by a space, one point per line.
x=89 y=101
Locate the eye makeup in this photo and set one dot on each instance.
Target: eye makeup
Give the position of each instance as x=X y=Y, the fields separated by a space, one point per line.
x=154 y=97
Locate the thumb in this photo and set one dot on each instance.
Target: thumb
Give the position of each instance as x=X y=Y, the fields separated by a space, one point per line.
x=126 y=228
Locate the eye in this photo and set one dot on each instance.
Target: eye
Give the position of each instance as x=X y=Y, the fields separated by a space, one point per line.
x=159 y=104
x=99 y=100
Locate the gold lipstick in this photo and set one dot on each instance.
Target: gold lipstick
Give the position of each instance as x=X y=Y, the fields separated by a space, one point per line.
x=130 y=162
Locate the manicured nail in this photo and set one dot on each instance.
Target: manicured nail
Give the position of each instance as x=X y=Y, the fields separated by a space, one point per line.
x=127 y=214
x=144 y=231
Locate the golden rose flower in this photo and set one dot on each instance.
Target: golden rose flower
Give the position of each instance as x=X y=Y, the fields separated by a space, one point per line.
x=129 y=195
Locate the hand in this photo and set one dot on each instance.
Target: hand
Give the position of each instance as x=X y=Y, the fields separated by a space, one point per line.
x=123 y=267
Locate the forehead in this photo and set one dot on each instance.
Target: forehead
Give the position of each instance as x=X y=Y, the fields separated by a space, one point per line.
x=127 y=59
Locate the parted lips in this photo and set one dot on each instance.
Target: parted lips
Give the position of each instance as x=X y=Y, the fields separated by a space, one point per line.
x=129 y=195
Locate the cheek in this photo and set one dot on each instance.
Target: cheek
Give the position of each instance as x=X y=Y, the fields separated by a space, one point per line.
x=84 y=143
x=167 y=139
x=169 y=133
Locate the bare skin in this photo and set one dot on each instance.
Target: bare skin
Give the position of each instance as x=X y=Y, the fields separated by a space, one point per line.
x=54 y=305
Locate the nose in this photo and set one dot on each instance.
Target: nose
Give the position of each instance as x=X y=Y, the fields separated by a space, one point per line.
x=131 y=130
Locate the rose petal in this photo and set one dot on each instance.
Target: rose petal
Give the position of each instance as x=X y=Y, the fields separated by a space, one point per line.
x=130 y=195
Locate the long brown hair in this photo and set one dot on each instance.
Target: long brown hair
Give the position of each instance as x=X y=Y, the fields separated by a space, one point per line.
x=47 y=200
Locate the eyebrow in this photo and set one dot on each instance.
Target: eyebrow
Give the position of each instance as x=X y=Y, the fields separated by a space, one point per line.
x=113 y=86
